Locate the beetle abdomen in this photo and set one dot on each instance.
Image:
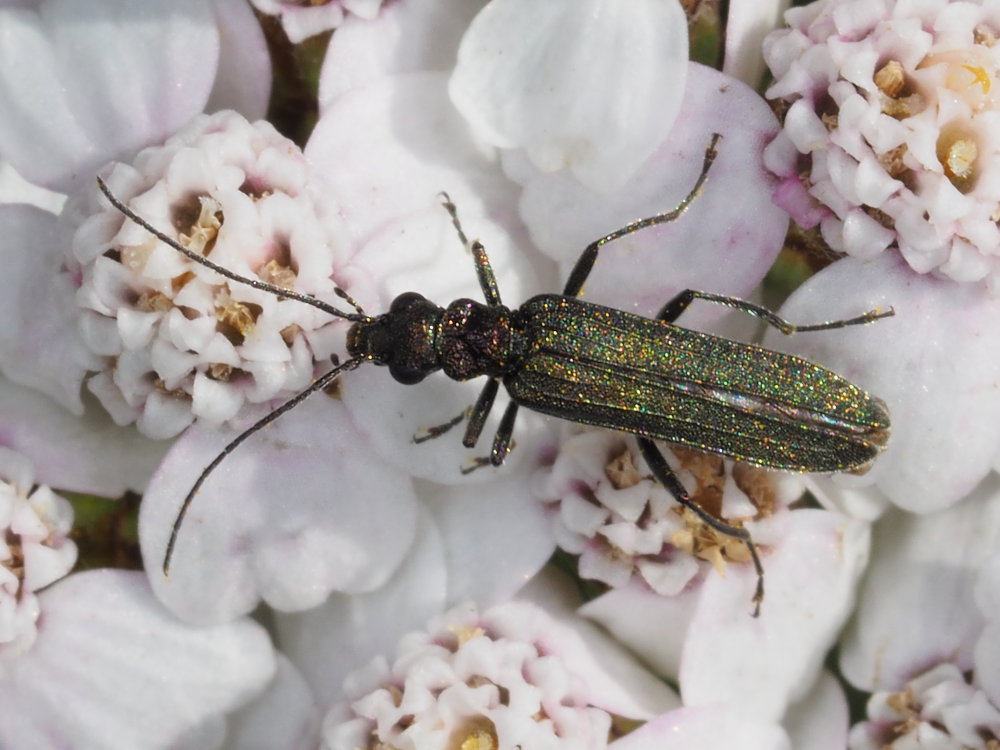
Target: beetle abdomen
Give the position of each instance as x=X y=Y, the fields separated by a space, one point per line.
x=613 y=369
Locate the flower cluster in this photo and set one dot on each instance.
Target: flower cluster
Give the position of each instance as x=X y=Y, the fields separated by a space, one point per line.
x=890 y=122
x=490 y=680
x=607 y=508
x=179 y=341
x=35 y=551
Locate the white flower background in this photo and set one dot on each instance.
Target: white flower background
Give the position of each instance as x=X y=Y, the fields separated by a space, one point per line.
x=336 y=584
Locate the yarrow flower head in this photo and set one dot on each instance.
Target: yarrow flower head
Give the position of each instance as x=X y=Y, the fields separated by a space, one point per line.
x=607 y=508
x=939 y=708
x=35 y=550
x=889 y=137
x=178 y=340
x=495 y=679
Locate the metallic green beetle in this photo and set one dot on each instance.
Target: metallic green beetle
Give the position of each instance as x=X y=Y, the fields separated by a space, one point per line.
x=596 y=365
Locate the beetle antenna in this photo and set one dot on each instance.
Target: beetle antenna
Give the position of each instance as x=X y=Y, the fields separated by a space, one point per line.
x=279 y=291
x=319 y=384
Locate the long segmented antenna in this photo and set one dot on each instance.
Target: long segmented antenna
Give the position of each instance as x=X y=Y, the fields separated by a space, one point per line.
x=356 y=316
x=318 y=385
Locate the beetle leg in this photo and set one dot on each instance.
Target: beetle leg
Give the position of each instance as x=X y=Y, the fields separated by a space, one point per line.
x=586 y=261
x=477 y=417
x=672 y=310
x=476 y=414
x=484 y=271
x=503 y=441
x=438 y=430
x=661 y=470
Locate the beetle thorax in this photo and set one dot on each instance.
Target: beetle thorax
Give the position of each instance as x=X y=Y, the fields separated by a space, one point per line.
x=474 y=339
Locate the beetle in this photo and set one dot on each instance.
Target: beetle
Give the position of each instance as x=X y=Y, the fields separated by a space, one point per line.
x=568 y=358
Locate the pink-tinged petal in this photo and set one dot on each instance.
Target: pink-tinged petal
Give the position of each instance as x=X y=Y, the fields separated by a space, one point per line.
x=243 y=79
x=417 y=35
x=627 y=612
x=748 y=23
x=724 y=242
x=39 y=343
x=347 y=631
x=945 y=417
x=771 y=661
x=490 y=562
x=614 y=679
x=96 y=81
x=300 y=510
x=578 y=84
x=819 y=721
x=89 y=454
x=917 y=604
x=112 y=669
x=391 y=147
x=705 y=728
x=284 y=716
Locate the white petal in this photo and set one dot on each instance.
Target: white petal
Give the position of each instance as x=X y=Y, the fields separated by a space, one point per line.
x=496 y=537
x=243 y=78
x=39 y=343
x=819 y=721
x=298 y=511
x=113 y=669
x=586 y=85
x=935 y=364
x=772 y=660
x=418 y=35
x=80 y=454
x=918 y=600
x=749 y=21
x=732 y=224
x=706 y=728
x=628 y=612
x=99 y=81
x=346 y=632
x=284 y=716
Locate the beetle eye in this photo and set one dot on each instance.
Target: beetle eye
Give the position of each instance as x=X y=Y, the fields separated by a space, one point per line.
x=407 y=375
x=404 y=300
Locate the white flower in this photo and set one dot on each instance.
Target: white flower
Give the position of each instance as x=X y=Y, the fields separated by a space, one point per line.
x=608 y=509
x=926 y=640
x=35 y=551
x=937 y=708
x=889 y=137
x=509 y=677
x=178 y=340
